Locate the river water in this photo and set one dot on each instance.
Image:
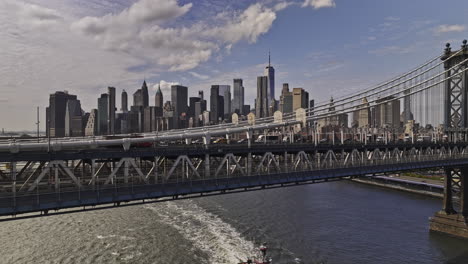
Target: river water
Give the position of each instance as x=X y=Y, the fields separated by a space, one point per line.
x=336 y=222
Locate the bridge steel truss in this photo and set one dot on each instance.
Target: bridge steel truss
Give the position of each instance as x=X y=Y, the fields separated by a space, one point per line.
x=36 y=182
x=456 y=92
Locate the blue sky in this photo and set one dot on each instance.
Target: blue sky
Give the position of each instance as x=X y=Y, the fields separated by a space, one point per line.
x=328 y=47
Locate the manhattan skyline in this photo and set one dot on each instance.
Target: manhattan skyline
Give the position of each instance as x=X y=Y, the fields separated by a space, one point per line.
x=64 y=45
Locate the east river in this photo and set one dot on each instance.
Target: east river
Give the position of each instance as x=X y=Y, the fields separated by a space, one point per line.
x=336 y=222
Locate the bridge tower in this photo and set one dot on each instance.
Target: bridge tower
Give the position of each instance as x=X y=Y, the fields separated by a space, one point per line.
x=453 y=218
x=456 y=93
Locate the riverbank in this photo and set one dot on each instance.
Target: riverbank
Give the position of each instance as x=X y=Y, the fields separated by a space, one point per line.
x=408 y=184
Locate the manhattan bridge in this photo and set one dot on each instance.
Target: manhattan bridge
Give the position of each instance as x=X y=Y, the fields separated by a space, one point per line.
x=44 y=175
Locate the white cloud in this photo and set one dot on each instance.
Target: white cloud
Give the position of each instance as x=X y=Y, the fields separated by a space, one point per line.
x=282 y=5
x=32 y=16
x=139 y=30
x=199 y=76
x=141 y=12
x=85 y=46
x=51 y=59
x=317 y=4
x=228 y=48
x=449 y=28
x=165 y=87
x=253 y=22
x=40 y=13
x=118 y=31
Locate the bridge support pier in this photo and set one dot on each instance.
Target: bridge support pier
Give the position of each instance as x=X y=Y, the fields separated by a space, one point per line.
x=448 y=220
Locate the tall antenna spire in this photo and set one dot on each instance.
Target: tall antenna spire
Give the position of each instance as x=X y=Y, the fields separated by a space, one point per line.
x=268 y=58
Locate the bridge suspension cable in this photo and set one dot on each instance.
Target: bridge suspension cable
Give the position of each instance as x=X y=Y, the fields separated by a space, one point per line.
x=411 y=91
x=382 y=88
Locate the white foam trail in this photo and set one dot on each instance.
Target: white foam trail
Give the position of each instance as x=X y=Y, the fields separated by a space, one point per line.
x=209 y=233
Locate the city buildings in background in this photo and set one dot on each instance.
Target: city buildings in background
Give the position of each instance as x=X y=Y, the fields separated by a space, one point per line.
x=66 y=118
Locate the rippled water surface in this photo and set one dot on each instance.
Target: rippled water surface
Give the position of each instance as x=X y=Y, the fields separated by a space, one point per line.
x=337 y=222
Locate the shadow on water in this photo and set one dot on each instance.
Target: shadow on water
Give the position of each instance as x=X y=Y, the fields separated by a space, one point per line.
x=453 y=250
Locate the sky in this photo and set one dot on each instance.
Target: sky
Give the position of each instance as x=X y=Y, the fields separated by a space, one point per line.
x=327 y=47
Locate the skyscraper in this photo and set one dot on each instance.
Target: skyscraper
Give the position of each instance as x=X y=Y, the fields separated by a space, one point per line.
x=225 y=92
x=387 y=113
x=200 y=94
x=150 y=119
x=140 y=101
x=286 y=99
x=200 y=107
x=270 y=73
x=92 y=124
x=179 y=97
x=238 y=100
x=362 y=116
x=159 y=100
x=103 y=114
x=73 y=118
x=138 y=98
x=191 y=108
x=144 y=94
x=300 y=98
x=216 y=104
x=124 y=104
x=407 y=115
x=261 y=106
x=111 y=110
x=56 y=113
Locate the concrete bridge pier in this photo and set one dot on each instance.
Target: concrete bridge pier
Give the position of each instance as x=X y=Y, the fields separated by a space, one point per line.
x=448 y=220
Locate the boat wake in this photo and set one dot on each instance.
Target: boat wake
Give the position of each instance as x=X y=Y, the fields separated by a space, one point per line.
x=209 y=233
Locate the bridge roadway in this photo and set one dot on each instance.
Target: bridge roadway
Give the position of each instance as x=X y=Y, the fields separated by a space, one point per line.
x=213 y=149
x=110 y=176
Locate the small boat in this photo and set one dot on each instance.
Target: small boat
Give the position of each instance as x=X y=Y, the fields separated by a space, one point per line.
x=265 y=260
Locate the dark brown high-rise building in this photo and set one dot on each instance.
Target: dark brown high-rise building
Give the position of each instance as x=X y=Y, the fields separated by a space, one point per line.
x=124 y=102
x=144 y=94
x=216 y=104
x=111 y=110
x=56 y=113
x=179 y=98
x=261 y=106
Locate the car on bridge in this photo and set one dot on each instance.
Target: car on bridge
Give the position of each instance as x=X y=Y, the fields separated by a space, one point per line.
x=220 y=140
x=268 y=139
